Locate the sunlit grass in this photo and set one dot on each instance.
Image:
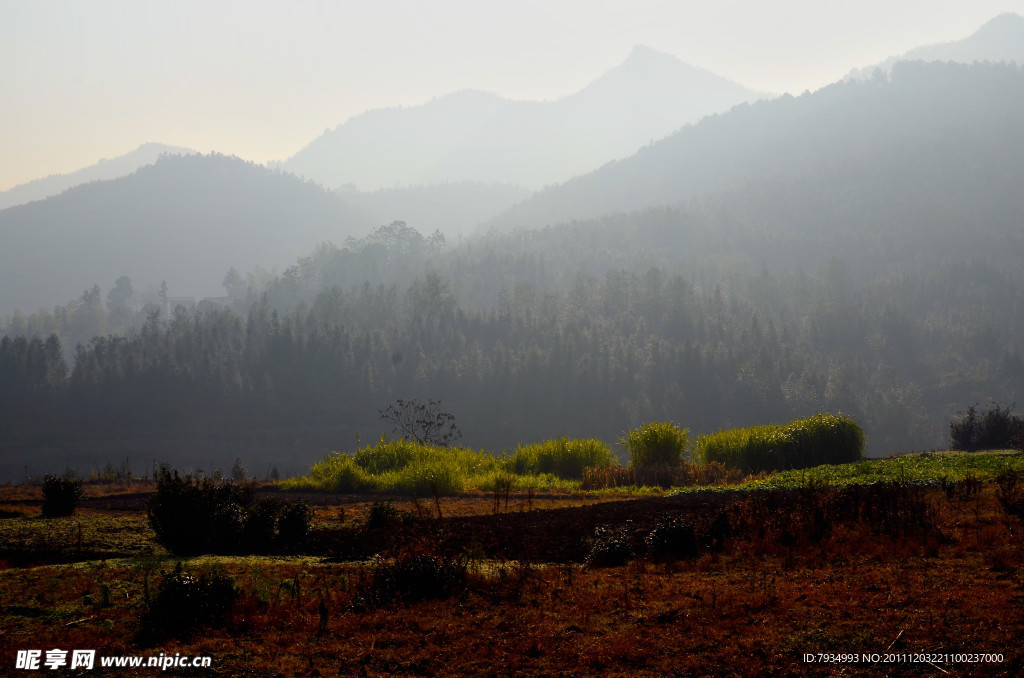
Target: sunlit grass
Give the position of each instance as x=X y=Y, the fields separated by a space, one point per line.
x=409 y=468
x=926 y=467
x=823 y=438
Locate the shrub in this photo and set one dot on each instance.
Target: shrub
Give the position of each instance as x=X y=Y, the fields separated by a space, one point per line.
x=997 y=428
x=61 y=496
x=673 y=538
x=398 y=466
x=1010 y=492
x=415 y=577
x=293 y=524
x=337 y=472
x=383 y=515
x=186 y=603
x=821 y=439
x=719 y=530
x=655 y=445
x=562 y=457
x=261 y=522
x=610 y=547
x=192 y=516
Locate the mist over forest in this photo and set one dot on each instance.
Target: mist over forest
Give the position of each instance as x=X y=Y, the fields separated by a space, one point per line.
x=726 y=261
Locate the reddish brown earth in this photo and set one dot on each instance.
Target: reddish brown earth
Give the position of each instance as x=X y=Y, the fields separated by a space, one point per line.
x=912 y=577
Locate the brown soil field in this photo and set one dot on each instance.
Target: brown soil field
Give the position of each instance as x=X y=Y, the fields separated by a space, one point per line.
x=889 y=581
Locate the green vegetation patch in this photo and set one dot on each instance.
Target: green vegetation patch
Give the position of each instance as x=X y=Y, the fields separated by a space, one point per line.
x=657 y=444
x=920 y=468
x=406 y=467
x=399 y=467
x=49 y=539
x=561 y=457
x=821 y=439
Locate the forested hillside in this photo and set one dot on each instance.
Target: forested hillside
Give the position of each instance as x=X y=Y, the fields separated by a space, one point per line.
x=522 y=339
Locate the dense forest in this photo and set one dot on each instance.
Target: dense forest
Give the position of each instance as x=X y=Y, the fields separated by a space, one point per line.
x=886 y=286
x=522 y=339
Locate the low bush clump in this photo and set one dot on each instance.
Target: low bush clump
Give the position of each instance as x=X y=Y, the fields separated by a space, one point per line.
x=398 y=467
x=821 y=439
x=406 y=467
x=414 y=577
x=655 y=445
x=610 y=547
x=384 y=515
x=1010 y=492
x=192 y=516
x=186 y=603
x=673 y=538
x=61 y=496
x=293 y=523
x=996 y=429
x=562 y=457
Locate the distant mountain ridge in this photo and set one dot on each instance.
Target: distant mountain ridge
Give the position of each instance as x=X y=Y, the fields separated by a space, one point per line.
x=1000 y=39
x=184 y=220
x=476 y=136
x=123 y=165
x=966 y=112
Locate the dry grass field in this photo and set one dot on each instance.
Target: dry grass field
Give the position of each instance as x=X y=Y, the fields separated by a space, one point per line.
x=899 y=578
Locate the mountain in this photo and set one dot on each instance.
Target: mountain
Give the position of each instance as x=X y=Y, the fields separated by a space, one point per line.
x=475 y=136
x=184 y=220
x=388 y=147
x=453 y=208
x=1001 y=39
x=113 y=168
x=936 y=129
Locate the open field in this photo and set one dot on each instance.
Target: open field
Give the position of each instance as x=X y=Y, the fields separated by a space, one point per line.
x=546 y=584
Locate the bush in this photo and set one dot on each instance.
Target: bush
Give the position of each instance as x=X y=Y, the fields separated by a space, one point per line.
x=415 y=577
x=610 y=547
x=996 y=429
x=61 y=496
x=293 y=524
x=817 y=440
x=562 y=457
x=1010 y=492
x=186 y=603
x=655 y=445
x=192 y=516
x=383 y=515
x=672 y=538
x=399 y=467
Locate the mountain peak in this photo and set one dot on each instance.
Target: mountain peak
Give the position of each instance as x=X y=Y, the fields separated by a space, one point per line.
x=644 y=53
x=1006 y=29
x=1000 y=39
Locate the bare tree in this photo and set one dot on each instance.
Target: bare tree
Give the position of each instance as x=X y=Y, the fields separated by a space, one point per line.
x=424 y=423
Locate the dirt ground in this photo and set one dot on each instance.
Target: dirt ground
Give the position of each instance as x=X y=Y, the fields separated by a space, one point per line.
x=916 y=582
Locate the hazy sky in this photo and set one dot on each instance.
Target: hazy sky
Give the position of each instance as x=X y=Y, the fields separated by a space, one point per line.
x=80 y=81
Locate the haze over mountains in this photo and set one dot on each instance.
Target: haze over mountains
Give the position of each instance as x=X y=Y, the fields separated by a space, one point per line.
x=482 y=150
x=112 y=168
x=477 y=136
x=856 y=248
x=1001 y=39
x=184 y=220
x=958 y=126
